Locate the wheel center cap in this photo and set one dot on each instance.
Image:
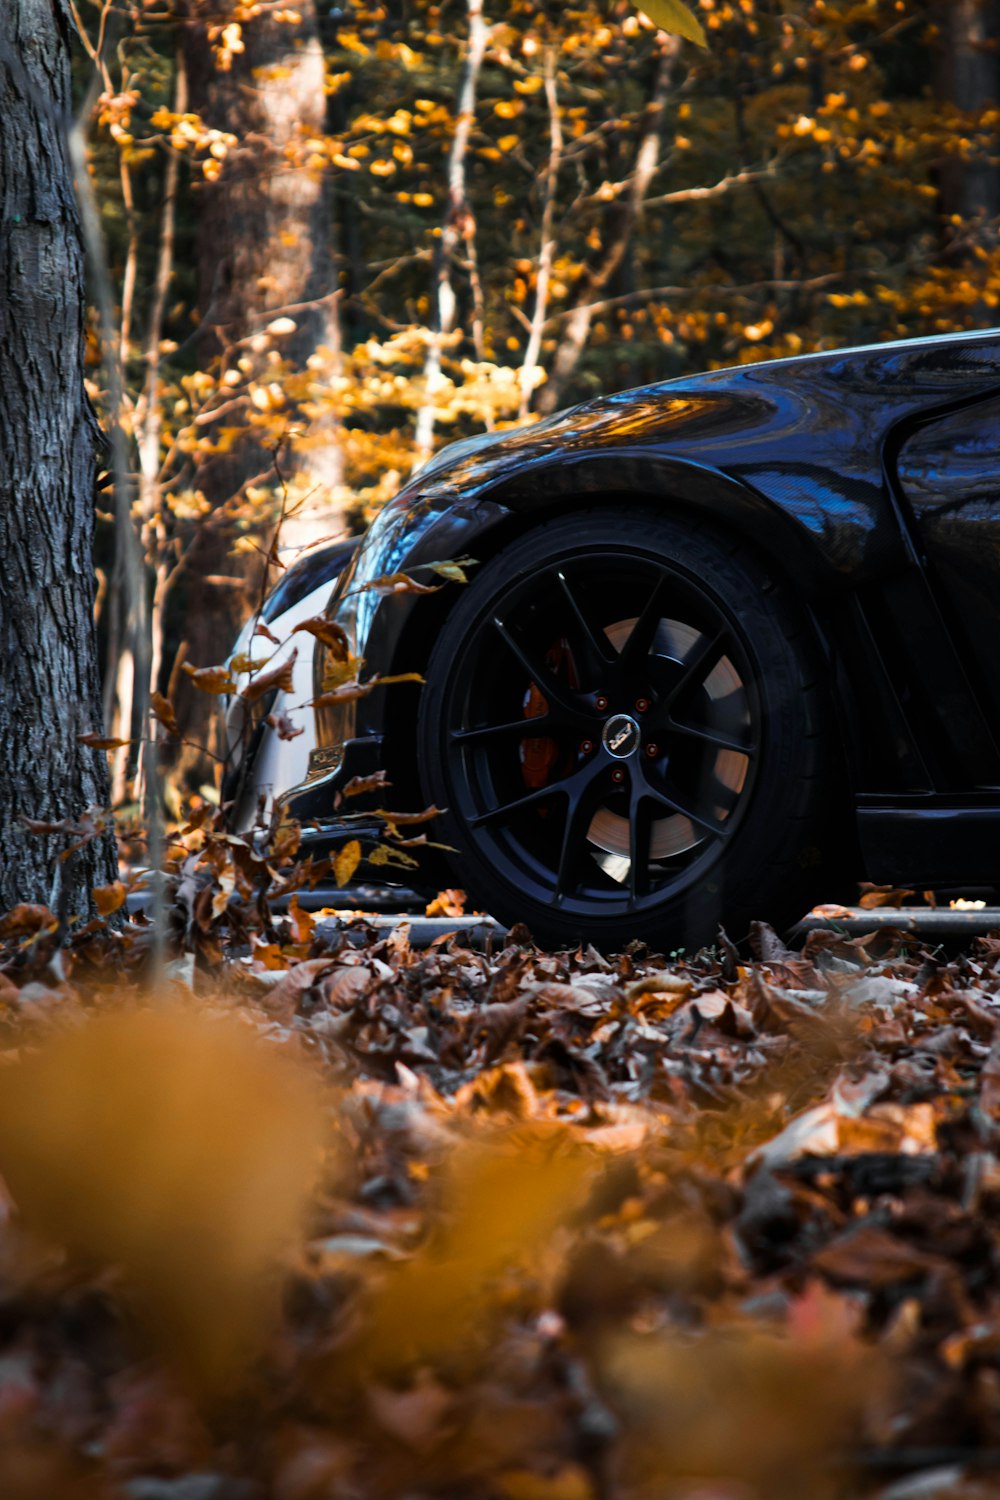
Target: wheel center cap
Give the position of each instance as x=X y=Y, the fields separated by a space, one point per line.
x=621 y=736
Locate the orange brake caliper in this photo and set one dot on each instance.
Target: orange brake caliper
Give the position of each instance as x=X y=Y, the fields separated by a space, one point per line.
x=539 y=755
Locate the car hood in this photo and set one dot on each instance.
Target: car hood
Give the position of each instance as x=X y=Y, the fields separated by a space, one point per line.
x=719 y=417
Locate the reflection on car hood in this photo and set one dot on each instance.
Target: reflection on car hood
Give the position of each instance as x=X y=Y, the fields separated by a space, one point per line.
x=732 y=403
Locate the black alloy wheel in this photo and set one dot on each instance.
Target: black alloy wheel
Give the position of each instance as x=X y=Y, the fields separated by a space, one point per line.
x=622 y=721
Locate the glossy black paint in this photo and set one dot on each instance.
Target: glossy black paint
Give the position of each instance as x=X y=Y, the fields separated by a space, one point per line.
x=868 y=478
x=306 y=575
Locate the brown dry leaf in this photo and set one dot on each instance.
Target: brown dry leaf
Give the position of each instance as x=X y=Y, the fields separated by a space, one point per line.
x=385 y=854
x=762 y=1415
x=504 y=1090
x=345 y=985
x=101 y=742
x=109 y=898
x=283 y=726
x=215 y=680
x=659 y=984
x=328 y=633
x=357 y=785
x=399 y=583
x=505 y=1195
x=411 y=819
x=284 y=998
x=88 y=826
x=346 y=862
x=447 y=903
x=281 y=677
x=353 y=690
x=875 y=896
x=27 y=920
x=179 y=1148
x=163 y=711
x=870 y=1256
x=303 y=922
x=243 y=663
x=338 y=672
x=453 y=568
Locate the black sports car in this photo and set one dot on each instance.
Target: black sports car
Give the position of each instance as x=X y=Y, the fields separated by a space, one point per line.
x=729 y=640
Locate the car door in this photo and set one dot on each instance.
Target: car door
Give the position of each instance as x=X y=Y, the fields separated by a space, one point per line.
x=948 y=471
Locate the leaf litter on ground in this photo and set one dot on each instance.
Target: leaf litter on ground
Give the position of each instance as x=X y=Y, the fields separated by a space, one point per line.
x=354 y=1219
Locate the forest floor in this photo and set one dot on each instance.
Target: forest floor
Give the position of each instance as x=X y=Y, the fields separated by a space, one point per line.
x=345 y=1220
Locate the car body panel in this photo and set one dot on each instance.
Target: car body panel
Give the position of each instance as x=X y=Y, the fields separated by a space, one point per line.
x=949 y=472
x=827 y=464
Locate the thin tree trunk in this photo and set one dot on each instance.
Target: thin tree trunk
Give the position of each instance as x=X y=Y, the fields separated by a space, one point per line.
x=49 y=679
x=547 y=250
x=264 y=244
x=119 y=689
x=577 y=328
x=459 y=224
x=149 y=416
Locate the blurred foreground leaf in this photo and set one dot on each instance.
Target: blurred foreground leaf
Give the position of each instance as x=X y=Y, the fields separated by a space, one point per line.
x=179 y=1148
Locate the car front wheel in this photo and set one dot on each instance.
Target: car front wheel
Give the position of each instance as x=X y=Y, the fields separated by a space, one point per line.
x=623 y=720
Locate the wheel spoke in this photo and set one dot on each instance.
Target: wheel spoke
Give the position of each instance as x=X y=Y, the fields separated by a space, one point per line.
x=641 y=637
x=520 y=729
x=717 y=737
x=507 y=810
x=539 y=672
x=639 y=836
x=585 y=790
x=595 y=643
x=677 y=802
x=705 y=654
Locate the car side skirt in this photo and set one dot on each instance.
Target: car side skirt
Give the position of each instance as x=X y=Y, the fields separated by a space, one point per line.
x=929 y=841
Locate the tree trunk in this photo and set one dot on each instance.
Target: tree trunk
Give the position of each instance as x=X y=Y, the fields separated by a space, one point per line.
x=968 y=77
x=593 y=285
x=264 y=246
x=49 y=678
x=459 y=225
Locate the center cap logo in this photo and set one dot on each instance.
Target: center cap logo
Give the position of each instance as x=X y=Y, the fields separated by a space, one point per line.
x=621 y=736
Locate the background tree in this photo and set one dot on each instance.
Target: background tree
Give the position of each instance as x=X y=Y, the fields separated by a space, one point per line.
x=968 y=80
x=264 y=241
x=49 y=680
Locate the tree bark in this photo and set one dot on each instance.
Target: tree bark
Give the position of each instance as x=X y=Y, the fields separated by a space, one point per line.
x=264 y=245
x=49 y=677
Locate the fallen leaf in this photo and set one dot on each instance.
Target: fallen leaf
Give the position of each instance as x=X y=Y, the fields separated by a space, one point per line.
x=347 y=862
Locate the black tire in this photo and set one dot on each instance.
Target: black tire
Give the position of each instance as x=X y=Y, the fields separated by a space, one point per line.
x=681 y=777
